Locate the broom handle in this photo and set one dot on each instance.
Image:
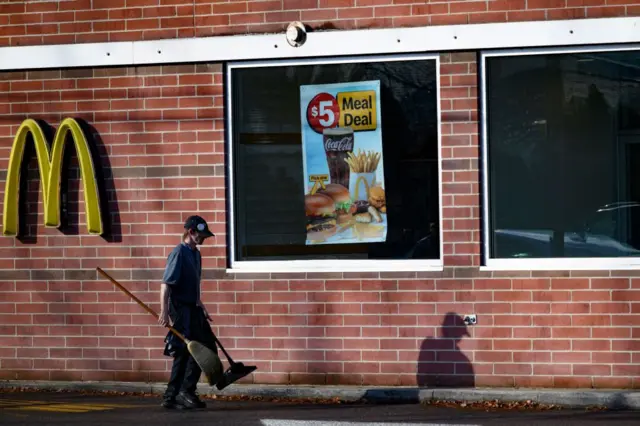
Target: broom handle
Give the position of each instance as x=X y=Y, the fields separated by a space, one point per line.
x=231 y=361
x=140 y=302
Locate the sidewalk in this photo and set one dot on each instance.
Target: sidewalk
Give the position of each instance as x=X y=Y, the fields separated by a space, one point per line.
x=571 y=398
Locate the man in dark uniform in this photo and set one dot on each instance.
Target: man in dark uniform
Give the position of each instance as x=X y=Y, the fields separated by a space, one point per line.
x=182 y=307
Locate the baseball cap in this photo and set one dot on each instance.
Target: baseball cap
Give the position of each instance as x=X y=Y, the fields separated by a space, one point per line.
x=197 y=223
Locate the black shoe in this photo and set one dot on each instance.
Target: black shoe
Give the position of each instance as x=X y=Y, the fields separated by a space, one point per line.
x=170 y=403
x=189 y=400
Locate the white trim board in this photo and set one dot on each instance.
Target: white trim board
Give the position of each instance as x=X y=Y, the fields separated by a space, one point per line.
x=563 y=264
x=344 y=266
x=433 y=39
x=277 y=422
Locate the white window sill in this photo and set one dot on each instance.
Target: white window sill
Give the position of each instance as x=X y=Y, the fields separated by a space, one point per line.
x=562 y=264
x=336 y=266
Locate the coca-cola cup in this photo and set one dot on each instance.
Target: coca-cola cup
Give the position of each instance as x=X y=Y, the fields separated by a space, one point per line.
x=338 y=141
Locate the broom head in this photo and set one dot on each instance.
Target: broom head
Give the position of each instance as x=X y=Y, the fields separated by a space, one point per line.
x=234 y=373
x=208 y=361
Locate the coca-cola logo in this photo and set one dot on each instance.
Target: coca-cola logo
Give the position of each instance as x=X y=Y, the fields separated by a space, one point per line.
x=344 y=144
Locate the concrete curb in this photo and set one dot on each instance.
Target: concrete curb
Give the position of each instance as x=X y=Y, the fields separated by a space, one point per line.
x=570 y=398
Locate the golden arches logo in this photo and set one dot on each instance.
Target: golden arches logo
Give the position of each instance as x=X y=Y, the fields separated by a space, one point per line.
x=50 y=166
x=361 y=178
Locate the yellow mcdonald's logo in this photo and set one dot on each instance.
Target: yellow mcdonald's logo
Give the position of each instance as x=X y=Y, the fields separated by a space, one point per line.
x=50 y=165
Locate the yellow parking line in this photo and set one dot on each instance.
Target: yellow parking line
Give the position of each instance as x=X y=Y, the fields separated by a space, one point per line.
x=51 y=408
x=98 y=407
x=20 y=405
x=10 y=404
x=19 y=401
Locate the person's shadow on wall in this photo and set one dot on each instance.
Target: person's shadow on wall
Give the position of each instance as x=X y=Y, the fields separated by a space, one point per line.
x=441 y=362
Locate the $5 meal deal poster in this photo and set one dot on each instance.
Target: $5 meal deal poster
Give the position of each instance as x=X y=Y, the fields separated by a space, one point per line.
x=342 y=161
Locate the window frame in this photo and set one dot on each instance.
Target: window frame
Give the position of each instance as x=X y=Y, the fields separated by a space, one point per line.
x=321 y=265
x=548 y=263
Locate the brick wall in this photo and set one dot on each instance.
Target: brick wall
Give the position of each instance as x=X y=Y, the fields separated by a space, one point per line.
x=59 y=322
x=31 y=22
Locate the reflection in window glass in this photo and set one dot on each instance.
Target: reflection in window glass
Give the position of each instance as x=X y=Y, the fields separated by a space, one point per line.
x=564 y=155
x=270 y=222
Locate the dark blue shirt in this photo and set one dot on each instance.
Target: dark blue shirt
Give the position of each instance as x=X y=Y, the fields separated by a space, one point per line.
x=182 y=274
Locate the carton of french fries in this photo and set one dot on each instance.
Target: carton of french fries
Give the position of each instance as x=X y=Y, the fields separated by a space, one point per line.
x=363 y=162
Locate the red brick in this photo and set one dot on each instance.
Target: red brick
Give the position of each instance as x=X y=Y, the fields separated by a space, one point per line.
x=358 y=12
x=30 y=7
x=591 y=296
x=142 y=24
x=91 y=15
x=246 y=18
x=610 y=284
x=570 y=308
x=264 y=6
x=625 y=296
x=329 y=4
x=492 y=356
x=569 y=284
x=507 y=5
x=602 y=12
x=573 y=3
x=545 y=4
x=552 y=320
x=626 y=370
x=33 y=29
x=571 y=332
x=513 y=369
x=392 y=11
x=15 y=319
x=572 y=13
x=15 y=364
x=299 y=4
x=32 y=353
x=282 y=16
x=592 y=370
x=33 y=18
x=529 y=15
x=591 y=320
x=610 y=308
x=13 y=30
x=487 y=17
x=552 y=369
x=48 y=364
x=612 y=382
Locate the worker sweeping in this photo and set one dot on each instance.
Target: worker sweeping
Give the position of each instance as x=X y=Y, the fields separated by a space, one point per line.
x=190 y=341
x=182 y=307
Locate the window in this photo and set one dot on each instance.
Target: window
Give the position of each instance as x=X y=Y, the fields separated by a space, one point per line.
x=562 y=156
x=284 y=116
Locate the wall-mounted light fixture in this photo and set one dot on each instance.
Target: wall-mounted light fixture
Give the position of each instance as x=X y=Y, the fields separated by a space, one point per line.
x=296 y=34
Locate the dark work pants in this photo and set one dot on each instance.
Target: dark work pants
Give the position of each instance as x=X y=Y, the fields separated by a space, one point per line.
x=185 y=374
x=185 y=371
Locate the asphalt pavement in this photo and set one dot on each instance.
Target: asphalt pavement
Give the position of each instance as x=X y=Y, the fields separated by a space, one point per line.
x=94 y=410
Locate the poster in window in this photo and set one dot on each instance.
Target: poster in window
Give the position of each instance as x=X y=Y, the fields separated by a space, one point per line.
x=342 y=163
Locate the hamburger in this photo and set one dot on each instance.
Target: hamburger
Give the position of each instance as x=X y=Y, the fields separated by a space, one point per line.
x=321 y=216
x=342 y=200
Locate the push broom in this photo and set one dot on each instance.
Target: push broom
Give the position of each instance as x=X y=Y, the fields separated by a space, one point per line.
x=207 y=359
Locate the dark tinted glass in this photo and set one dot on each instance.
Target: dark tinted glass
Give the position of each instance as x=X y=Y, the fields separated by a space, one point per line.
x=270 y=222
x=564 y=155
